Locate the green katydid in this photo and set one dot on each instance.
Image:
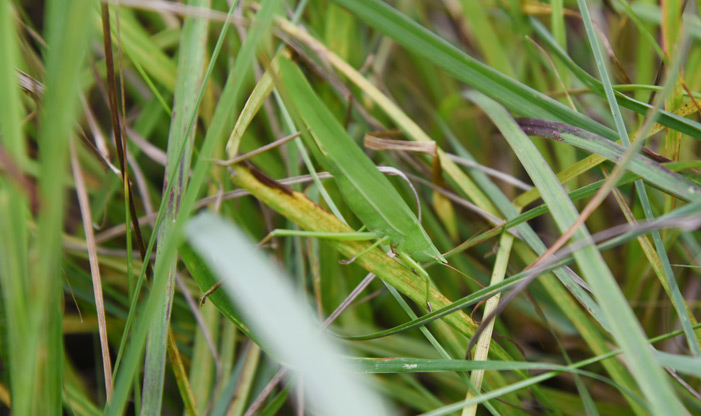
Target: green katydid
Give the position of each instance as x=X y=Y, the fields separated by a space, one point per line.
x=368 y=193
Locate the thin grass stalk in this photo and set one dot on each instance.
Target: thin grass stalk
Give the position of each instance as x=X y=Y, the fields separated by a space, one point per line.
x=86 y=216
x=118 y=130
x=482 y=347
x=215 y=133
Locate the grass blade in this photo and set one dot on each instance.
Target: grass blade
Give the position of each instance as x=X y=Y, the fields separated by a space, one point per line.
x=67 y=45
x=673 y=137
x=180 y=144
x=653 y=172
x=509 y=92
x=278 y=317
x=624 y=326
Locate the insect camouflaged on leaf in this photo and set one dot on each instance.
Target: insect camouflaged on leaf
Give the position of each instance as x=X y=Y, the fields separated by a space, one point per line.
x=368 y=193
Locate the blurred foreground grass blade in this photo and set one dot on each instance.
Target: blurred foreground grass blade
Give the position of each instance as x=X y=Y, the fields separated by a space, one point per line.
x=681 y=363
x=622 y=322
x=514 y=95
x=181 y=136
x=67 y=44
x=282 y=321
x=15 y=209
x=204 y=279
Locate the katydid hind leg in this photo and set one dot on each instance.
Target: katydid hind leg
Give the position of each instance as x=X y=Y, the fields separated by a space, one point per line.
x=419 y=271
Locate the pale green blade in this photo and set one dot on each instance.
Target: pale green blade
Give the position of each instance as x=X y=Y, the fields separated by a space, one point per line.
x=282 y=322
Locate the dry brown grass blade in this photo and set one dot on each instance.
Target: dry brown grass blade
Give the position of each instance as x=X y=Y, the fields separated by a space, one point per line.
x=262 y=149
x=116 y=128
x=84 y=203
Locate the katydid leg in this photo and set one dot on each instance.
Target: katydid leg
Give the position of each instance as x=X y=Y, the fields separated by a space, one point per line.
x=419 y=271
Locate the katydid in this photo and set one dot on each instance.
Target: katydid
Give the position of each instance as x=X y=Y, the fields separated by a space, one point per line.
x=368 y=193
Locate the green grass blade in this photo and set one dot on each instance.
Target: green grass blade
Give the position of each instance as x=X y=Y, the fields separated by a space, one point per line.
x=670 y=84
x=180 y=143
x=14 y=266
x=67 y=45
x=537 y=245
x=509 y=92
x=427 y=365
x=622 y=322
x=671 y=120
x=653 y=172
